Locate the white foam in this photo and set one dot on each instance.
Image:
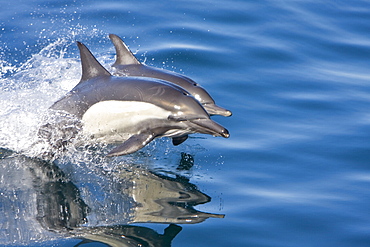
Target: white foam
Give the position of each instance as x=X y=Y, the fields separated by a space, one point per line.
x=29 y=89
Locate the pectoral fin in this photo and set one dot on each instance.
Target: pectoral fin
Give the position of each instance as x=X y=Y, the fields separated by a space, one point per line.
x=132 y=144
x=178 y=140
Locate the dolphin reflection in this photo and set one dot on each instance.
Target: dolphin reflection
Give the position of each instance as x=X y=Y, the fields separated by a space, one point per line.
x=162 y=199
x=39 y=202
x=131 y=236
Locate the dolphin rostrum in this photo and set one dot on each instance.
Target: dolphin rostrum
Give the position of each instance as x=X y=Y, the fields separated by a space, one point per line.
x=127 y=65
x=132 y=110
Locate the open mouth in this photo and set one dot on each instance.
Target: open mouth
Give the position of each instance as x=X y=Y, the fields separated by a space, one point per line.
x=213 y=109
x=208 y=126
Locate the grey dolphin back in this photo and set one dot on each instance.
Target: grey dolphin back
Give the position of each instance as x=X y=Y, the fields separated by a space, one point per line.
x=97 y=85
x=90 y=66
x=124 y=54
x=126 y=64
x=91 y=69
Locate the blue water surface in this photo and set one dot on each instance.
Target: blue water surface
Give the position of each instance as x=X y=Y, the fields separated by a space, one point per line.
x=295 y=170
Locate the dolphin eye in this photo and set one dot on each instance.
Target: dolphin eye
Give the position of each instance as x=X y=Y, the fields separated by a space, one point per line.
x=193 y=82
x=185 y=93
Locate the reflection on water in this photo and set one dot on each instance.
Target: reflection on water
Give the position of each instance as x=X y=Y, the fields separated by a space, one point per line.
x=38 y=202
x=163 y=199
x=131 y=236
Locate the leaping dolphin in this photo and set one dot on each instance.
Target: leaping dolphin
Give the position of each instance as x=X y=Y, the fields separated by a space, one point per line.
x=126 y=64
x=132 y=110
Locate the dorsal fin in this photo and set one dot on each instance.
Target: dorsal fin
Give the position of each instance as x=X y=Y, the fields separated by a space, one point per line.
x=90 y=66
x=123 y=53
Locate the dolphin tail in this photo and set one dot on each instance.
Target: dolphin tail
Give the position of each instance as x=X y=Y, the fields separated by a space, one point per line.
x=124 y=55
x=90 y=66
x=213 y=109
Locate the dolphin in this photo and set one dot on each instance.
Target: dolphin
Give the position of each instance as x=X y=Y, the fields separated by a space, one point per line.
x=126 y=64
x=132 y=110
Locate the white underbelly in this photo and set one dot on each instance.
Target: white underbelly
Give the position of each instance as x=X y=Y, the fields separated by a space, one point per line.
x=115 y=121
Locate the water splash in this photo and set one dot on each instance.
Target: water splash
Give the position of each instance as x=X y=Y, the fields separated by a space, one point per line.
x=28 y=89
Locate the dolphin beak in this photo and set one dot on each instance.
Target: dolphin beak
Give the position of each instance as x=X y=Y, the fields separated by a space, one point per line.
x=213 y=109
x=208 y=126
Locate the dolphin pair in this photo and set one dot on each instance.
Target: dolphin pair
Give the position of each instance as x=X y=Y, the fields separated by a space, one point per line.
x=133 y=110
x=127 y=65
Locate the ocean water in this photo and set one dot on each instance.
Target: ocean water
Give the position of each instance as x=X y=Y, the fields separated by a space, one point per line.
x=294 y=172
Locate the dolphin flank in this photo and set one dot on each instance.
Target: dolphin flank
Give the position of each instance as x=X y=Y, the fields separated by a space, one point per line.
x=127 y=65
x=132 y=110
